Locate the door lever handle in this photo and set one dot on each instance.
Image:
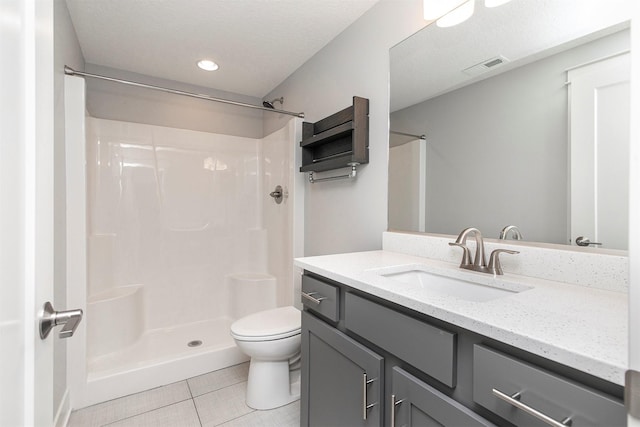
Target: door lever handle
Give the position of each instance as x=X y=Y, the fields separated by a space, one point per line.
x=70 y=319
x=584 y=241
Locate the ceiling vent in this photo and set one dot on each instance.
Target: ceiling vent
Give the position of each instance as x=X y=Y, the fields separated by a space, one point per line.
x=485 y=65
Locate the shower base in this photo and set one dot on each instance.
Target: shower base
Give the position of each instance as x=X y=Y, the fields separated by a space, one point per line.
x=160 y=357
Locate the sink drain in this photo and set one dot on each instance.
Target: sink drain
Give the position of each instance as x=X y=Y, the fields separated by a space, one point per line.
x=194 y=343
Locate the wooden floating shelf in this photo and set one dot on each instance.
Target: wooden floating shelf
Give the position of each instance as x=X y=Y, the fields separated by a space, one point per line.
x=337 y=141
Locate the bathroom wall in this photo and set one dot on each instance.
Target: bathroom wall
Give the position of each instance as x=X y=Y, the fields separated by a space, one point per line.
x=345 y=216
x=119 y=102
x=634 y=210
x=278 y=163
x=66 y=51
x=173 y=210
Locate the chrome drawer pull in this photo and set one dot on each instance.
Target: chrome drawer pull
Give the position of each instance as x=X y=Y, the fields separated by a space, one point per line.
x=515 y=401
x=365 y=407
x=312 y=299
x=394 y=403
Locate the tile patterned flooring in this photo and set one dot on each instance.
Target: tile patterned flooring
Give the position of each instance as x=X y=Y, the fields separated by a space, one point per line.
x=213 y=399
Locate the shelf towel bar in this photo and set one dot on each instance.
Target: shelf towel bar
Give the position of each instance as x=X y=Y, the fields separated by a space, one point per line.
x=350 y=175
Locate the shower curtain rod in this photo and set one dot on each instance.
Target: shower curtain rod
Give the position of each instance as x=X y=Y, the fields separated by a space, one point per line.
x=423 y=136
x=71 y=72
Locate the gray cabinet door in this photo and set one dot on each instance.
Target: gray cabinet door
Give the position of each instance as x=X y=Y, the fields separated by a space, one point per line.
x=416 y=403
x=342 y=381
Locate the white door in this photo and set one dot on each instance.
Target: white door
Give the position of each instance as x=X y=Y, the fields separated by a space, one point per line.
x=599 y=126
x=26 y=210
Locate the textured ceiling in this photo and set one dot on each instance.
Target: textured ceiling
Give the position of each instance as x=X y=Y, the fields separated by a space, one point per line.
x=431 y=62
x=257 y=43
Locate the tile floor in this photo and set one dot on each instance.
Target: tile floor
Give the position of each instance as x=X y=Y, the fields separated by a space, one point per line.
x=213 y=399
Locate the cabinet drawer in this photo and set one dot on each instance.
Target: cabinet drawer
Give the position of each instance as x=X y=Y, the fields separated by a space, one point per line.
x=320 y=297
x=426 y=347
x=548 y=394
x=416 y=403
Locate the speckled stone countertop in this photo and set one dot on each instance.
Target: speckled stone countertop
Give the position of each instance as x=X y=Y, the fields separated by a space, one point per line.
x=582 y=327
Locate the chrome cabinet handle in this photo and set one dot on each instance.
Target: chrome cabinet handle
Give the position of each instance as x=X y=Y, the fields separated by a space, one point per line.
x=514 y=400
x=70 y=319
x=365 y=407
x=394 y=403
x=309 y=297
x=584 y=241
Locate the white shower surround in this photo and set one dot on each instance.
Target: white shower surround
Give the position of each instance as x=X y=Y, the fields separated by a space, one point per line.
x=182 y=239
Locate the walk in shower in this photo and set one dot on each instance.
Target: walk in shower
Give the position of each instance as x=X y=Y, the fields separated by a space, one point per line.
x=182 y=238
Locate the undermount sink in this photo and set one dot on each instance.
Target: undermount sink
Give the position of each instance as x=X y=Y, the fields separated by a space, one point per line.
x=449 y=286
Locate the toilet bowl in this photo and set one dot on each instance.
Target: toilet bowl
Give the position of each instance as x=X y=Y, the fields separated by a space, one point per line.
x=272 y=339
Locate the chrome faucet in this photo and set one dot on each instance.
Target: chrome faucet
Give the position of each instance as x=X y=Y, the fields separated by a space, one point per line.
x=514 y=231
x=479 y=260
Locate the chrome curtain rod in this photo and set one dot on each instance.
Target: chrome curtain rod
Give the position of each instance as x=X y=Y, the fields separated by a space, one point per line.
x=423 y=136
x=71 y=72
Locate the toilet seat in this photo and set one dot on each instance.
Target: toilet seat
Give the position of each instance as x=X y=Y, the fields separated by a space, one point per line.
x=268 y=325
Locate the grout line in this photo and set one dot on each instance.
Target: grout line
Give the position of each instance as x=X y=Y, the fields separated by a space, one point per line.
x=197 y=413
x=238 y=417
x=146 y=412
x=189 y=388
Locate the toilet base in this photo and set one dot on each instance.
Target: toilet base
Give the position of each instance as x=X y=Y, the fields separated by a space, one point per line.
x=269 y=385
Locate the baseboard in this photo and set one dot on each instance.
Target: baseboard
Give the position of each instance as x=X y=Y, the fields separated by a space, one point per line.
x=63 y=412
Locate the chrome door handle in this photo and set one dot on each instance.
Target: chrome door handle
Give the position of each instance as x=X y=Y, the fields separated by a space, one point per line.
x=394 y=403
x=314 y=300
x=365 y=407
x=514 y=400
x=584 y=241
x=70 y=319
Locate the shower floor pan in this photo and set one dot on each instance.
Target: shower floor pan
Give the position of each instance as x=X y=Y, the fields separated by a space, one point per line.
x=163 y=356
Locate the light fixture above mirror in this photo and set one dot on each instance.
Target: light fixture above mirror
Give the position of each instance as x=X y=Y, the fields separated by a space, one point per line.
x=449 y=13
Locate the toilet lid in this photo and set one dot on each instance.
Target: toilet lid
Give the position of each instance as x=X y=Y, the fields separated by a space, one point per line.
x=270 y=324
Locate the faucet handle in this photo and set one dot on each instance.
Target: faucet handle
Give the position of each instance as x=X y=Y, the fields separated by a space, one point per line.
x=494 y=261
x=466 y=254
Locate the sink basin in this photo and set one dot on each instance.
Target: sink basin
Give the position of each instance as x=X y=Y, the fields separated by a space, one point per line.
x=455 y=287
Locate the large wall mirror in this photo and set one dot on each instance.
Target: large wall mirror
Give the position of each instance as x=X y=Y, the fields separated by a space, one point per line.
x=519 y=116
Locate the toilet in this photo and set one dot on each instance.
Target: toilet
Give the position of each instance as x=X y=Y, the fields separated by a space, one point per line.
x=272 y=339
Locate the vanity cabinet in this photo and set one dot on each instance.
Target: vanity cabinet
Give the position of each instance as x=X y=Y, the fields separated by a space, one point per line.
x=502 y=383
x=415 y=403
x=345 y=377
x=378 y=363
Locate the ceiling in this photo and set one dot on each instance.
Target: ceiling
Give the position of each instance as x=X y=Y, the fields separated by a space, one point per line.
x=257 y=43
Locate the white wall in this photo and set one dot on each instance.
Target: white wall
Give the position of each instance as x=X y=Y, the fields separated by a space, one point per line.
x=344 y=216
x=115 y=101
x=634 y=209
x=66 y=51
x=173 y=210
x=406 y=162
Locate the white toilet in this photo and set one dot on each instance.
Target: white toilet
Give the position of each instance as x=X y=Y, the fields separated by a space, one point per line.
x=272 y=339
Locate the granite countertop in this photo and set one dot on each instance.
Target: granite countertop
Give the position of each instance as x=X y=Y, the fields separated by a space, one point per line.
x=577 y=326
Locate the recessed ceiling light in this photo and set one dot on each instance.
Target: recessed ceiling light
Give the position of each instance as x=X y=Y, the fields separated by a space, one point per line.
x=207 y=65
